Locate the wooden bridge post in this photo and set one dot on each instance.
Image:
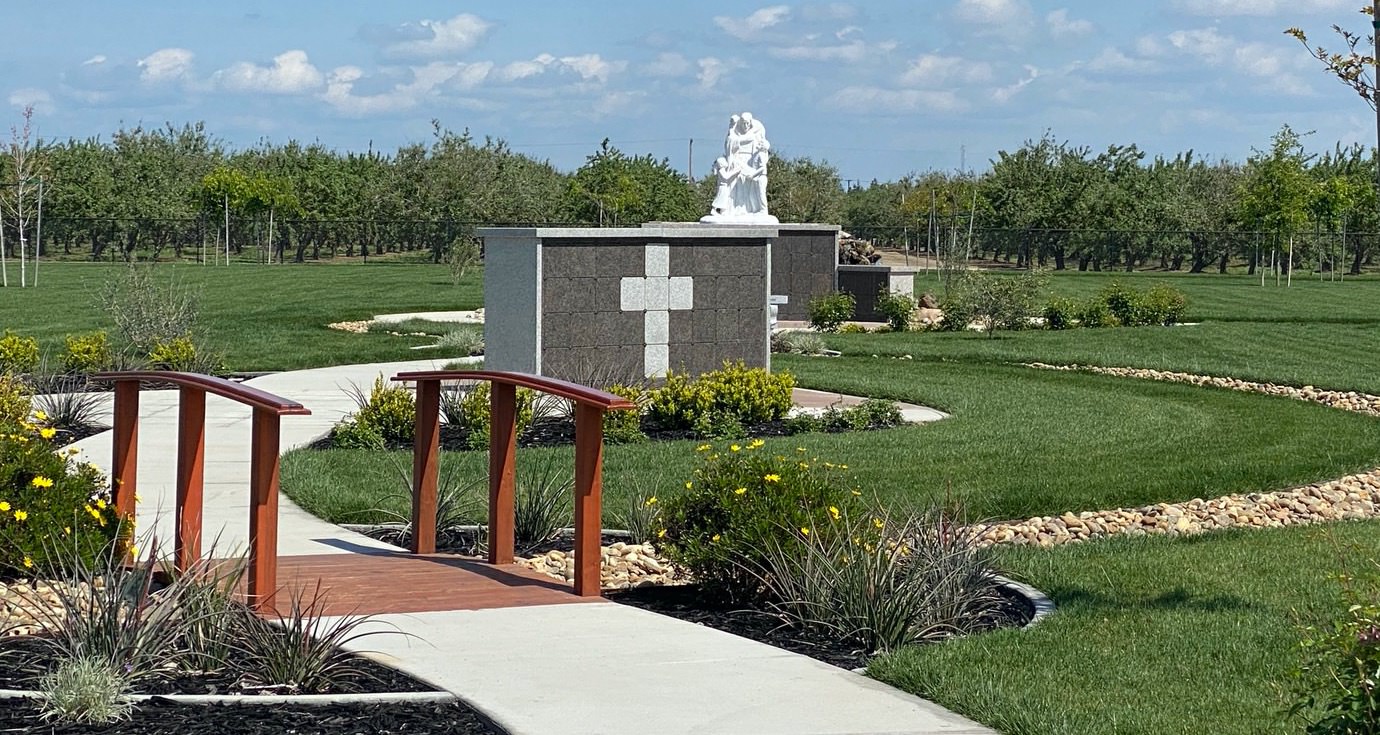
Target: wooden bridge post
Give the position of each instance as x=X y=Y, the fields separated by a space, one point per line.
x=124 y=464
x=589 y=459
x=263 y=510
x=502 y=470
x=191 y=455
x=426 y=457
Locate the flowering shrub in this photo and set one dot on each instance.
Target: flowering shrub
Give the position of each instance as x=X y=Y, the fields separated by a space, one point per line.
x=15 y=401
x=1337 y=685
x=18 y=354
x=625 y=427
x=178 y=353
x=742 y=501
x=385 y=417
x=49 y=504
x=735 y=391
x=87 y=353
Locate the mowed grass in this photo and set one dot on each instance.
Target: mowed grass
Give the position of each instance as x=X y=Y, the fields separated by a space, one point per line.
x=1020 y=442
x=260 y=317
x=1152 y=636
x=1321 y=334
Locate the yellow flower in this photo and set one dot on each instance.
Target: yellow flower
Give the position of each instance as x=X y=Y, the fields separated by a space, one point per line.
x=100 y=503
x=772 y=478
x=740 y=491
x=4 y=506
x=661 y=533
x=41 y=481
x=28 y=563
x=689 y=485
x=21 y=515
x=805 y=530
x=804 y=465
x=703 y=448
x=134 y=551
x=834 y=512
x=734 y=448
x=877 y=522
x=857 y=492
x=800 y=449
x=843 y=466
x=47 y=433
x=41 y=416
x=714 y=538
x=756 y=444
x=67 y=530
x=650 y=501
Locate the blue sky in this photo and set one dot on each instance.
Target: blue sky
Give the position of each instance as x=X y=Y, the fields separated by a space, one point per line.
x=878 y=88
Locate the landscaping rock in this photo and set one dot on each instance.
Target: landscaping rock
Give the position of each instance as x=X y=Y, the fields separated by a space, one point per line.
x=622 y=566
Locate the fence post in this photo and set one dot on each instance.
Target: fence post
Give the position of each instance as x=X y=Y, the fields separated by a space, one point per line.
x=191 y=454
x=426 y=454
x=263 y=510
x=589 y=459
x=502 y=470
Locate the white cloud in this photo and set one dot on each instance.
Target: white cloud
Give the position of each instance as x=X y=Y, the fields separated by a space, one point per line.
x=1113 y=60
x=592 y=66
x=933 y=70
x=429 y=39
x=852 y=52
x=667 y=64
x=828 y=11
x=992 y=12
x=713 y=69
x=291 y=73
x=97 y=59
x=1226 y=8
x=39 y=99
x=749 y=28
x=166 y=65
x=1002 y=95
x=894 y=101
x=1062 y=26
x=523 y=69
x=1280 y=67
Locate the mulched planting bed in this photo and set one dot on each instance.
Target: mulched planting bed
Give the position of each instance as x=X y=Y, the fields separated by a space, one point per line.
x=23 y=660
x=164 y=717
x=465 y=542
x=686 y=603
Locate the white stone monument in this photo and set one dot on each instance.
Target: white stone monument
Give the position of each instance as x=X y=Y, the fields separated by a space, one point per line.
x=741 y=197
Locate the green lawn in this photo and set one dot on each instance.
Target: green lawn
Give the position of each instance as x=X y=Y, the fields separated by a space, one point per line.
x=261 y=317
x=1020 y=442
x=1157 y=636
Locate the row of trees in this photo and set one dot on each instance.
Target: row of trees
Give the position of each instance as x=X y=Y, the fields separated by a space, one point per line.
x=174 y=189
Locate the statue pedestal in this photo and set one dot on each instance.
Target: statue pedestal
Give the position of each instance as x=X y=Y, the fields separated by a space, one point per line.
x=739 y=219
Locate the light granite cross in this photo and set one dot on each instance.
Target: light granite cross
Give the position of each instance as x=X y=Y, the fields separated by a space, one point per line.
x=656 y=294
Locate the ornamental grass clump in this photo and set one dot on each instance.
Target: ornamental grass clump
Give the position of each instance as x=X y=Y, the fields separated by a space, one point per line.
x=882 y=580
x=49 y=503
x=741 y=500
x=85 y=691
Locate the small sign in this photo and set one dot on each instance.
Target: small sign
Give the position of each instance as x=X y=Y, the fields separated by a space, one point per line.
x=775 y=300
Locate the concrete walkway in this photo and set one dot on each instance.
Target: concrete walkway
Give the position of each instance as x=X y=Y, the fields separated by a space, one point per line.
x=541 y=670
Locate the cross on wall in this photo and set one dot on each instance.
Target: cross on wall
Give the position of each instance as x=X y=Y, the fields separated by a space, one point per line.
x=656 y=294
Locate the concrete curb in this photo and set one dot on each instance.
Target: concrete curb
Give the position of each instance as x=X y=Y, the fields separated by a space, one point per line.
x=1039 y=601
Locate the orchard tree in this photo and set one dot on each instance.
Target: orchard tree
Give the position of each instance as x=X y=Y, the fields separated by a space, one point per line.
x=21 y=196
x=1278 y=191
x=612 y=188
x=803 y=190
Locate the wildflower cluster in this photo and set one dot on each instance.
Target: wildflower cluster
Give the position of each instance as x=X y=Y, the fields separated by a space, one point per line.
x=743 y=500
x=49 y=503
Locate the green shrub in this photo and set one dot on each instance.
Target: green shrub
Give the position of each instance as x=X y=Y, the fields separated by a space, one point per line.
x=177 y=353
x=997 y=302
x=1094 y=314
x=896 y=308
x=87 y=353
x=1337 y=684
x=852 y=328
x=16 y=402
x=871 y=414
x=149 y=309
x=640 y=516
x=829 y=311
x=388 y=412
x=1124 y=302
x=1163 y=305
x=625 y=427
x=470 y=411
x=1061 y=313
x=17 y=354
x=798 y=343
x=718 y=400
x=804 y=423
x=739 y=502
x=48 y=502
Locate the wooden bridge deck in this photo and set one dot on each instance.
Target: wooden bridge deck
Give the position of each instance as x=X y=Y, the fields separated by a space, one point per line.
x=398 y=582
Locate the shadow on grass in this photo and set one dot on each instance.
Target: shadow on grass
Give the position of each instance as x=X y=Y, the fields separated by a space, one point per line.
x=1177 y=598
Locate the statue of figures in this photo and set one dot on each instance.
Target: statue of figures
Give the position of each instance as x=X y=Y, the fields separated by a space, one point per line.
x=741 y=194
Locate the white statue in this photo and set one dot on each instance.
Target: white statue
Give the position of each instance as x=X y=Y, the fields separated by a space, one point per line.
x=741 y=196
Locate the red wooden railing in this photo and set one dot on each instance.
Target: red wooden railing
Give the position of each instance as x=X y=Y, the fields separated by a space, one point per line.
x=590 y=405
x=191 y=451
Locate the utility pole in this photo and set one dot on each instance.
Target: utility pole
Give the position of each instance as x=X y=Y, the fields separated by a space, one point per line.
x=1374 y=94
x=690 y=160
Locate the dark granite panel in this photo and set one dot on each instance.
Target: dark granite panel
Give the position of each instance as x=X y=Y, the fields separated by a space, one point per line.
x=864 y=285
x=605 y=293
x=568 y=294
x=588 y=258
x=682 y=326
x=564 y=261
x=706 y=325
x=617 y=328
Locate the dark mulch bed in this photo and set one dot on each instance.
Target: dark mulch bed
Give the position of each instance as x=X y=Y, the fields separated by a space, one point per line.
x=162 y=717
x=465 y=542
x=686 y=603
x=25 y=659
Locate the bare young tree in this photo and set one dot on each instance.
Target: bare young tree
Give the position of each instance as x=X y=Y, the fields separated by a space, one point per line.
x=21 y=194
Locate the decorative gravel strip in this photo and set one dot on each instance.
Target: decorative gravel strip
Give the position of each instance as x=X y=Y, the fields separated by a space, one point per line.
x=624 y=566
x=24 y=605
x=355 y=327
x=1344 y=400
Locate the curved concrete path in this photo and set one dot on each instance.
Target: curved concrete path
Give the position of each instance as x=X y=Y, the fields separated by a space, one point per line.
x=542 y=670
